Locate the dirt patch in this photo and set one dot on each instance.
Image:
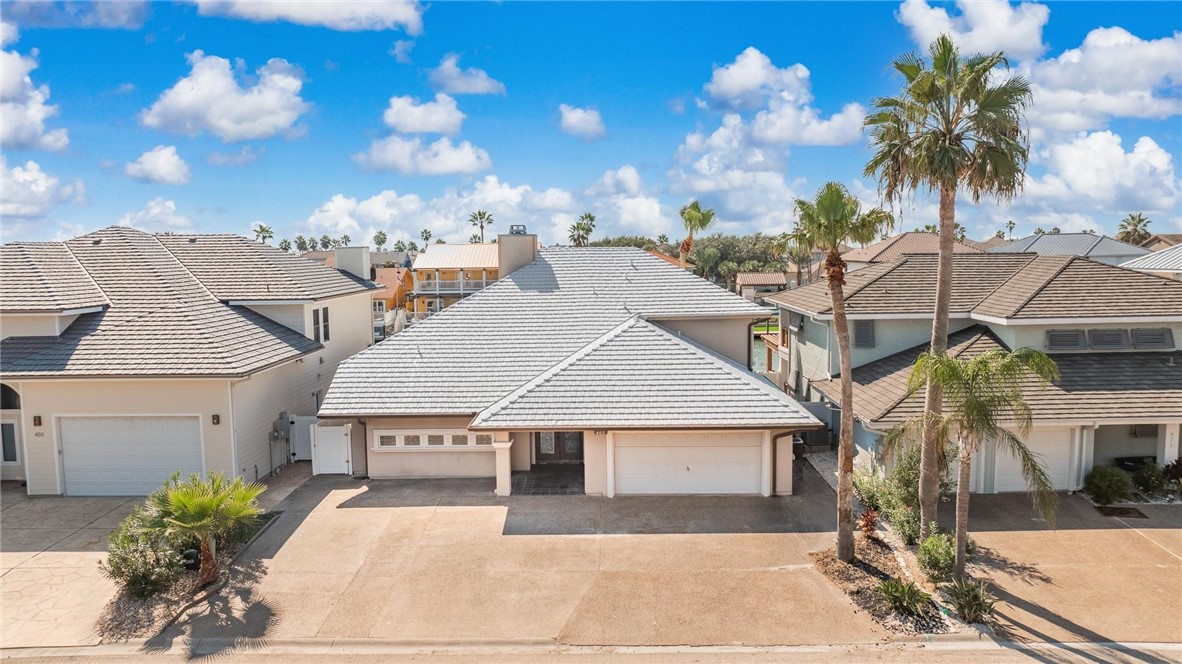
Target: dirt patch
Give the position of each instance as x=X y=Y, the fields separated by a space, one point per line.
x=875 y=562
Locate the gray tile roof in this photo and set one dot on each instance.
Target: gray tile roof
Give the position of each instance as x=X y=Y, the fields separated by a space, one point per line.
x=476 y=351
x=234 y=267
x=162 y=322
x=45 y=277
x=1092 y=385
x=638 y=375
x=1166 y=260
x=1070 y=244
x=911 y=242
x=1013 y=286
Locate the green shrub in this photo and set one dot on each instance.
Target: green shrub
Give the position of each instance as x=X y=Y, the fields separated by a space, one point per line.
x=1108 y=484
x=905 y=520
x=971 y=600
x=904 y=597
x=1173 y=471
x=1150 y=480
x=869 y=485
x=937 y=556
x=140 y=559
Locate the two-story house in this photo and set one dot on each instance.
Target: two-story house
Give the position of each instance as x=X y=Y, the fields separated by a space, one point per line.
x=1112 y=331
x=446 y=273
x=608 y=363
x=127 y=356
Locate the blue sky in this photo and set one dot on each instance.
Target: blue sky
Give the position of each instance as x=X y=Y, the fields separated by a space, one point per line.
x=214 y=116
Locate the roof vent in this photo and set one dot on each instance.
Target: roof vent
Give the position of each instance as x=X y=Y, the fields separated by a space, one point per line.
x=96 y=242
x=1066 y=340
x=193 y=240
x=1109 y=339
x=1153 y=338
x=517 y=229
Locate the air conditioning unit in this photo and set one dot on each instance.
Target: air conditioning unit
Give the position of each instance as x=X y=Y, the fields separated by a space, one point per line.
x=517 y=229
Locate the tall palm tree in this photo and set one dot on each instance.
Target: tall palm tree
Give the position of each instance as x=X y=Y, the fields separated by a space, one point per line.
x=285 y=245
x=425 y=234
x=400 y=245
x=480 y=218
x=1010 y=228
x=954 y=125
x=379 y=240
x=301 y=243
x=1133 y=229
x=695 y=220
x=580 y=233
x=979 y=394
x=325 y=242
x=345 y=240
x=263 y=232
x=206 y=509
x=801 y=259
x=706 y=262
x=832 y=219
x=662 y=239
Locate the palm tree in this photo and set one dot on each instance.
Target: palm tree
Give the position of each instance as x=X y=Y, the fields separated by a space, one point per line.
x=727 y=270
x=579 y=233
x=695 y=220
x=325 y=243
x=588 y=220
x=474 y=238
x=835 y=218
x=425 y=234
x=980 y=393
x=285 y=245
x=706 y=262
x=400 y=245
x=662 y=239
x=481 y=219
x=1133 y=229
x=954 y=125
x=412 y=246
x=379 y=240
x=263 y=232
x=1010 y=228
x=301 y=243
x=801 y=259
x=345 y=240
x=205 y=510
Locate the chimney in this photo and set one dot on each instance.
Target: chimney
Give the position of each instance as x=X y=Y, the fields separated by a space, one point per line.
x=354 y=260
x=515 y=249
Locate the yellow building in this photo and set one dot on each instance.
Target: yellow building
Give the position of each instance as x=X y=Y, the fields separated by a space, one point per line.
x=446 y=273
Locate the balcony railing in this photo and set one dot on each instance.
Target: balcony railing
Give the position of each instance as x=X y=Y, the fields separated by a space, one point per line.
x=442 y=286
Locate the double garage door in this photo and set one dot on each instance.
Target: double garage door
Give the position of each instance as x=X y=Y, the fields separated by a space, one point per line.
x=688 y=462
x=127 y=456
x=1052 y=445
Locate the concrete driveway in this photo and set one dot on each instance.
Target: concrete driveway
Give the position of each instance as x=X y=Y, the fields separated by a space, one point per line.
x=446 y=560
x=1094 y=578
x=51 y=591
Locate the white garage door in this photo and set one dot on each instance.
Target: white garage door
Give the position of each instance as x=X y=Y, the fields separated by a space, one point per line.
x=1053 y=445
x=688 y=462
x=127 y=456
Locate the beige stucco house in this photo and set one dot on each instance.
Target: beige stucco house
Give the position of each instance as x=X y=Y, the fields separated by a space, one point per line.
x=126 y=356
x=606 y=360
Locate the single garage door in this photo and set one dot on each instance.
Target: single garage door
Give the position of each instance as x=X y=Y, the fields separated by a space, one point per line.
x=127 y=456
x=1053 y=445
x=688 y=462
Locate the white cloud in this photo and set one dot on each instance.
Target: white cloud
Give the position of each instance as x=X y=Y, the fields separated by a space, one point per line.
x=161 y=164
x=410 y=156
x=983 y=26
x=27 y=192
x=336 y=15
x=121 y=14
x=549 y=199
x=801 y=125
x=23 y=104
x=244 y=156
x=449 y=78
x=211 y=99
x=625 y=179
x=408 y=116
x=752 y=78
x=585 y=123
x=1112 y=74
x=158 y=216
x=401 y=51
x=341 y=214
x=622 y=202
x=9 y=33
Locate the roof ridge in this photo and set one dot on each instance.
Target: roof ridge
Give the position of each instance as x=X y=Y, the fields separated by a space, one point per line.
x=184 y=267
x=890 y=242
x=894 y=265
x=1095 y=243
x=906 y=395
x=1015 y=273
x=1056 y=273
x=85 y=271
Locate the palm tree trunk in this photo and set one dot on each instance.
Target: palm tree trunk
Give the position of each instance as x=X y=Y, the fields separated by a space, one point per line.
x=683 y=250
x=964 y=475
x=209 y=565
x=845 y=441
x=929 y=470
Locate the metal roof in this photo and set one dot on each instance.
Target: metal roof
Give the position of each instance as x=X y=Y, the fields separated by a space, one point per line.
x=1070 y=244
x=458 y=257
x=1166 y=260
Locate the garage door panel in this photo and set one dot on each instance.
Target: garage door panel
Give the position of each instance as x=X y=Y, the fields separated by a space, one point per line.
x=1053 y=446
x=697 y=462
x=114 y=456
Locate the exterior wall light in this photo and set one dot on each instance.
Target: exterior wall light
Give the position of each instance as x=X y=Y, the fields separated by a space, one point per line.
x=217 y=419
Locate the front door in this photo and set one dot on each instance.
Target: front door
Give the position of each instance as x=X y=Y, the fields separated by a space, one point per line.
x=558 y=446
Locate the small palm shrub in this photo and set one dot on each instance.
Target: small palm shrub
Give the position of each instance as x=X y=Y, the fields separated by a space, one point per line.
x=140 y=559
x=937 y=556
x=1108 y=484
x=1150 y=480
x=868 y=522
x=903 y=596
x=971 y=600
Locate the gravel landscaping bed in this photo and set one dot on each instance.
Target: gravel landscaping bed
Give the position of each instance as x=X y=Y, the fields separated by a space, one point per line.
x=874 y=563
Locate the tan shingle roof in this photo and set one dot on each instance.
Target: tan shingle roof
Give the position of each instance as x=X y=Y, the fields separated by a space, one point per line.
x=913 y=242
x=458 y=257
x=761 y=279
x=45 y=277
x=1092 y=385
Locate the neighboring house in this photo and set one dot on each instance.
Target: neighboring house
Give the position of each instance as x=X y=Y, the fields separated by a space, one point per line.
x=395 y=285
x=986 y=245
x=376 y=258
x=1165 y=263
x=912 y=242
x=127 y=356
x=1113 y=332
x=1099 y=248
x=1160 y=241
x=754 y=286
x=446 y=273
x=606 y=357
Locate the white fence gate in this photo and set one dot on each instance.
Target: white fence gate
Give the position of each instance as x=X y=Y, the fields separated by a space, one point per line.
x=301 y=436
x=332 y=453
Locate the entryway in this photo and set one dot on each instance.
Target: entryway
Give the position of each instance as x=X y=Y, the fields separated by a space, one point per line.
x=557 y=468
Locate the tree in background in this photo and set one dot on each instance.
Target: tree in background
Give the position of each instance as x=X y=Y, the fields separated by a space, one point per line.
x=706 y=262
x=412 y=246
x=1010 y=228
x=1133 y=229
x=1000 y=235
x=325 y=243
x=474 y=238
x=345 y=240
x=440 y=240
x=379 y=240
x=425 y=234
x=285 y=245
x=959 y=233
x=580 y=231
x=663 y=240
x=480 y=218
x=957 y=123
x=301 y=243
x=1039 y=231
x=829 y=222
x=728 y=270
x=263 y=232
x=801 y=259
x=695 y=220
x=400 y=245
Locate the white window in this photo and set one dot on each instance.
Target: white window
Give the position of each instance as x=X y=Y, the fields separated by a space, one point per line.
x=379 y=306
x=418 y=439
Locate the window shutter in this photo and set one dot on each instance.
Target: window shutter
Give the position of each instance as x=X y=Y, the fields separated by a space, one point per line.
x=1066 y=340
x=325 y=323
x=316 y=324
x=863 y=334
x=1153 y=338
x=1109 y=339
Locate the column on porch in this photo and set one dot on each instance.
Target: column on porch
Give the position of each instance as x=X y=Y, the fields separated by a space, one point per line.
x=1167 y=442
x=502 y=442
